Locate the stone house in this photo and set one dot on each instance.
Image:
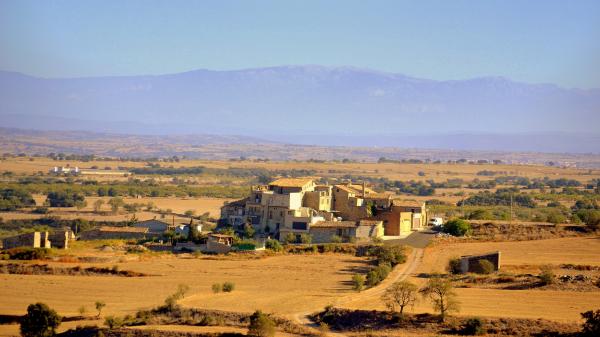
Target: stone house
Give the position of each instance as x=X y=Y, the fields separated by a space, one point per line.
x=363 y=230
x=153 y=225
x=29 y=240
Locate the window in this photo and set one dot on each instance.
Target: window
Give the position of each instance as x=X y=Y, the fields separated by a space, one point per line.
x=299 y=225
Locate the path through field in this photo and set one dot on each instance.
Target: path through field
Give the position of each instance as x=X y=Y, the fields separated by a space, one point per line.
x=418 y=241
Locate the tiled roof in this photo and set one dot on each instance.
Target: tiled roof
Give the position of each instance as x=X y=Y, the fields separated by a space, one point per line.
x=369 y=222
x=334 y=224
x=291 y=182
x=406 y=203
x=376 y=195
x=239 y=203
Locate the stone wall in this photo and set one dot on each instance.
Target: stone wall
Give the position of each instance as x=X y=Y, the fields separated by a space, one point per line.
x=470 y=263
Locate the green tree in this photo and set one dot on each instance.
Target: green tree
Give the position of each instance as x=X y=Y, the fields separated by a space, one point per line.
x=261 y=325
x=40 y=321
x=400 y=295
x=64 y=199
x=441 y=294
x=99 y=306
x=457 y=227
x=591 y=327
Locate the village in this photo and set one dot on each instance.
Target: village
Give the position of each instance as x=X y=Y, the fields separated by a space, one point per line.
x=291 y=210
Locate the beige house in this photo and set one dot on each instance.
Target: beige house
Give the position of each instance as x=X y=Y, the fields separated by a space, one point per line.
x=347 y=231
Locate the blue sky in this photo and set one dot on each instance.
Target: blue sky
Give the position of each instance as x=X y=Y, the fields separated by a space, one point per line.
x=530 y=41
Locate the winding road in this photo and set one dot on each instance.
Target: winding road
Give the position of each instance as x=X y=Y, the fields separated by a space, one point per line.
x=417 y=240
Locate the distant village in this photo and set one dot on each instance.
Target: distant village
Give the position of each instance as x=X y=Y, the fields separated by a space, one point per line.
x=288 y=209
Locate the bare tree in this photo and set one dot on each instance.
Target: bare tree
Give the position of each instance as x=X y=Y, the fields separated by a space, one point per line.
x=400 y=295
x=98 y=205
x=441 y=294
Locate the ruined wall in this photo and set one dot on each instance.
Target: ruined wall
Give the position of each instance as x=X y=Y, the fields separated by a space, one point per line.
x=470 y=263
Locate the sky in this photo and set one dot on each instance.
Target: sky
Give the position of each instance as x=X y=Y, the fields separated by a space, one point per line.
x=531 y=41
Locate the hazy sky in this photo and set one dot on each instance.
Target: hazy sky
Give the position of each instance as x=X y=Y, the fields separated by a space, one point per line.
x=530 y=41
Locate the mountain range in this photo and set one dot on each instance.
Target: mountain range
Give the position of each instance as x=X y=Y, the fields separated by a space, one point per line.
x=313 y=105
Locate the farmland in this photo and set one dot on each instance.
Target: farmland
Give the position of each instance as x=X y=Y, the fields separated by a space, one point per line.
x=545 y=198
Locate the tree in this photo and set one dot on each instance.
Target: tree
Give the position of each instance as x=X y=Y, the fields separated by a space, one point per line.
x=441 y=294
x=81 y=310
x=261 y=325
x=115 y=204
x=98 y=205
x=590 y=217
x=64 y=199
x=457 y=227
x=99 y=306
x=249 y=231
x=40 y=321
x=400 y=295
x=591 y=327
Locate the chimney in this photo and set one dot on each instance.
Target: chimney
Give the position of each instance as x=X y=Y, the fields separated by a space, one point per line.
x=363 y=189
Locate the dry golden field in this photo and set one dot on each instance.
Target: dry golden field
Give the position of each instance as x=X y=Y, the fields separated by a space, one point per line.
x=281 y=284
x=395 y=171
x=553 y=305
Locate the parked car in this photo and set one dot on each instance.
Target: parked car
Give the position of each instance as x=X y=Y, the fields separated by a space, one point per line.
x=436 y=222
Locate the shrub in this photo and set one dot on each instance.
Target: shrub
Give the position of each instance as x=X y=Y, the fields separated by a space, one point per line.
x=261 y=325
x=547 y=275
x=228 y=287
x=171 y=300
x=358 y=282
x=454 y=266
x=305 y=238
x=473 y=326
x=113 y=322
x=336 y=239
x=40 y=321
x=484 y=267
x=378 y=274
x=273 y=245
x=457 y=227
x=41 y=210
x=290 y=238
x=28 y=253
x=216 y=288
x=591 y=327
x=391 y=255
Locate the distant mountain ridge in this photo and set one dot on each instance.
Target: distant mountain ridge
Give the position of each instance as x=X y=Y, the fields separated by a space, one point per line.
x=287 y=101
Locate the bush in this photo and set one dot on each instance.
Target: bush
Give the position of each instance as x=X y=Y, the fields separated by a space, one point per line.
x=113 y=322
x=216 y=288
x=473 y=326
x=591 y=327
x=454 y=266
x=391 y=255
x=273 y=245
x=378 y=274
x=290 y=238
x=40 y=321
x=336 y=239
x=484 y=267
x=28 y=253
x=547 y=275
x=40 y=210
x=64 y=199
x=228 y=287
x=261 y=325
x=457 y=227
x=358 y=282
x=305 y=238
